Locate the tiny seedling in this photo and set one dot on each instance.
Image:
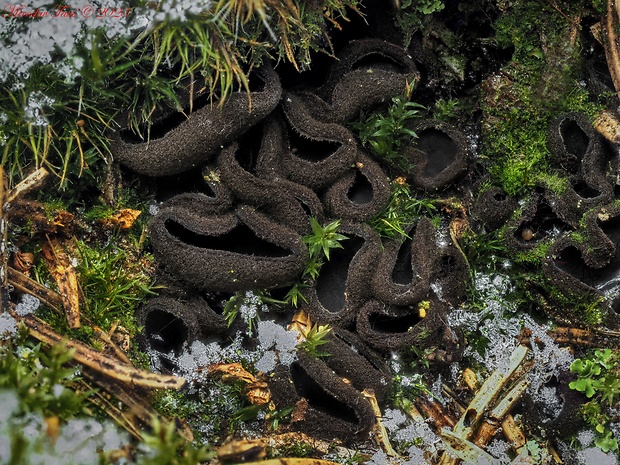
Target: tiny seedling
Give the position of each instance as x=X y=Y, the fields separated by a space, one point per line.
x=323 y=239
x=386 y=132
x=401 y=211
x=315 y=338
x=597 y=378
x=319 y=243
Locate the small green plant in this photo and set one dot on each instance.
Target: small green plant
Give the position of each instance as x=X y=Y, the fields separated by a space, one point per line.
x=402 y=210
x=323 y=239
x=113 y=281
x=164 y=446
x=319 y=242
x=277 y=416
x=315 y=338
x=385 y=133
x=247 y=305
x=597 y=378
x=445 y=109
x=43 y=381
x=412 y=15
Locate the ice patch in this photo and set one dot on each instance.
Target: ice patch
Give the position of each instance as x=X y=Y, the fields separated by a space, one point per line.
x=594 y=455
x=393 y=419
x=8 y=326
x=27 y=304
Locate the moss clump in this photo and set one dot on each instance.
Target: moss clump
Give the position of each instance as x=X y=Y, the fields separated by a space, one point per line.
x=540 y=82
x=533 y=256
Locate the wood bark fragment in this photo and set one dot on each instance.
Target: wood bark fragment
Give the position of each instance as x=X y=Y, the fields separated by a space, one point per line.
x=23 y=283
x=4 y=259
x=256 y=390
x=488 y=392
x=491 y=424
x=122 y=219
x=380 y=433
x=433 y=410
x=513 y=433
x=611 y=42
x=31 y=182
x=33 y=214
x=608 y=125
x=61 y=269
x=102 y=364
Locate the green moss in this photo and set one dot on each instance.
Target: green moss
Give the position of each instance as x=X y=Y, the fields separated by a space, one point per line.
x=403 y=209
x=540 y=82
x=589 y=310
x=552 y=181
x=534 y=256
x=578 y=99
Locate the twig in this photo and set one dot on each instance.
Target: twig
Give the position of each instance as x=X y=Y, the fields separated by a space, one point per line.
x=103 y=364
x=379 y=430
x=30 y=183
x=4 y=277
x=23 y=283
x=611 y=43
x=488 y=392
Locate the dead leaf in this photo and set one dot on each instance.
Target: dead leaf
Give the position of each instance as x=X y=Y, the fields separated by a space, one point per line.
x=122 y=219
x=64 y=273
x=256 y=391
x=242 y=451
x=299 y=412
x=23 y=261
x=232 y=372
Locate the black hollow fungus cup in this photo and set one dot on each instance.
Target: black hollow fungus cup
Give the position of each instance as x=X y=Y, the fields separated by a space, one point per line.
x=171 y=325
x=537 y=223
x=248 y=169
x=555 y=408
x=343 y=284
x=238 y=250
x=353 y=360
x=327 y=406
x=404 y=268
x=361 y=193
x=439 y=155
x=577 y=153
x=368 y=73
x=493 y=207
x=316 y=153
x=182 y=140
x=588 y=265
x=389 y=328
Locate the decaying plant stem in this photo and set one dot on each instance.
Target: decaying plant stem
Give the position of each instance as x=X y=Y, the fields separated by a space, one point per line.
x=493 y=421
x=4 y=272
x=64 y=273
x=23 y=283
x=102 y=364
x=459 y=440
x=488 y=392
x=33 y=181
x=380 y=433
x=612 y=42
